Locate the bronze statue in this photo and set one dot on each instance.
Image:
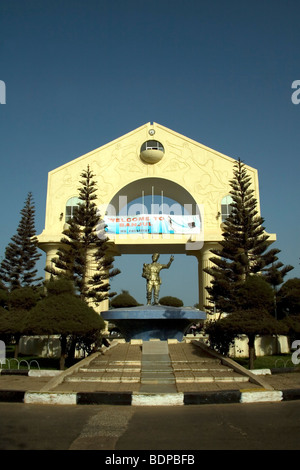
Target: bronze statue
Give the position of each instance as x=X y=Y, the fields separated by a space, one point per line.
x=151 y=273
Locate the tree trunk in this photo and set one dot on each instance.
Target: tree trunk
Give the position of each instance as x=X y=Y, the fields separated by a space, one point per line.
x=71 y=354
x=251 y=345
x=17 y=339
x=63 y=353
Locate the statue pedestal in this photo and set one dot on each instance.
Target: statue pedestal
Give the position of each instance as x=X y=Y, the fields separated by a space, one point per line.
x=153 y=321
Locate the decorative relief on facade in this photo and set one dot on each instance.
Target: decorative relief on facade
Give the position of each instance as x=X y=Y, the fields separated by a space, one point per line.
x=125 y=161
x=130 y=163
x=104 y=189
x=174 y=165
x=67 y=178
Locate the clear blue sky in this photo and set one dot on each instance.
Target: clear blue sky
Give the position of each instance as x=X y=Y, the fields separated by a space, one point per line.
x=79 y=74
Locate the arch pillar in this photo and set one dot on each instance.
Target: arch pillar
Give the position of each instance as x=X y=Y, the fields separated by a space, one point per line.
x=51 y=252
x=204 y=279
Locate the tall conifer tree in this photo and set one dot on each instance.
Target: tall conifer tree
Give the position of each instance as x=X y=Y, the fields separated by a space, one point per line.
x=18 y=266
x=84 y=242
x=274 y=275
x=244 y=248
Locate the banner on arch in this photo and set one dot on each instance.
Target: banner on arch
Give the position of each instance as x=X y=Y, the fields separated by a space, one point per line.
x=153 y=223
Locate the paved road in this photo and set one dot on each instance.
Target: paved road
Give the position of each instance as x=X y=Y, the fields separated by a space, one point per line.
x=238 y=426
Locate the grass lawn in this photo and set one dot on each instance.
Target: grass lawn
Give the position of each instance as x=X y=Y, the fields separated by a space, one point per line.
x=268 y=362
x=31 y=362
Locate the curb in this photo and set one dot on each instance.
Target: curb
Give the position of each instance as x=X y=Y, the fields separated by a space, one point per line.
x=148 y=399
x=30 y=372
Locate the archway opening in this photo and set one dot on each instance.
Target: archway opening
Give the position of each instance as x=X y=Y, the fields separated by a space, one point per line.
x=155 y=196
x=180 y=280
x=152 y=194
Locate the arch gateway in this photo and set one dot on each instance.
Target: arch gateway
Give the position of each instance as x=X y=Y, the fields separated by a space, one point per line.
x=186 y=183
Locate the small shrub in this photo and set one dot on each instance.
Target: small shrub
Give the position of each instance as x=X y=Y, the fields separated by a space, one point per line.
x=123 y=300
x=171 y=301
x=220 y=337
x=59 y=286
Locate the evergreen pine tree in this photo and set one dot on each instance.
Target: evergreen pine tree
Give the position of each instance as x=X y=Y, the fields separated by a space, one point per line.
x=18 y=266
x=85 y=242
x=274 y=275
x=244 y=247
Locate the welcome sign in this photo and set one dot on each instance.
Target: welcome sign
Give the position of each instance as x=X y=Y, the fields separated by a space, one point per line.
x=153 y=223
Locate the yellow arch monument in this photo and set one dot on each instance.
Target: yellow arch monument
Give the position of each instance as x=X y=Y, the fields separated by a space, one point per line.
x=150 y=161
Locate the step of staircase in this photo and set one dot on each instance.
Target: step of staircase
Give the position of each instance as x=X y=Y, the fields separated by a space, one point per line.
x=211 y=378
x=107 y=379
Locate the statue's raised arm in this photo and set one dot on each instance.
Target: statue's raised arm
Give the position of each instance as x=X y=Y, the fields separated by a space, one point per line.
x=166 y=266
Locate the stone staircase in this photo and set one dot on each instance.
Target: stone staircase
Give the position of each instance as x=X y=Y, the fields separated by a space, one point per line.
x=154 y=367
